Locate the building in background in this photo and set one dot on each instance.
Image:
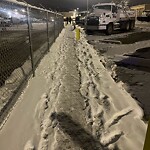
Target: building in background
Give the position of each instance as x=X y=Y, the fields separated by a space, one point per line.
x=143 y=9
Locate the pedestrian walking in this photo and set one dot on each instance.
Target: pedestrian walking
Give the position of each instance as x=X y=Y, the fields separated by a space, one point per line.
x=70 y=20
x=67 y=20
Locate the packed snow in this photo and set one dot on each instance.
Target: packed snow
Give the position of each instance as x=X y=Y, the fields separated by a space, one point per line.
x=73 y=103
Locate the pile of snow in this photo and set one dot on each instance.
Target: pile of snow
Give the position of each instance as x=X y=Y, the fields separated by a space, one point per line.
x=116 y=117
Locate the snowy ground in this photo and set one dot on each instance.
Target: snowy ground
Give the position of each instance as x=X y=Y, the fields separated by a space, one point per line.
x=73 y=103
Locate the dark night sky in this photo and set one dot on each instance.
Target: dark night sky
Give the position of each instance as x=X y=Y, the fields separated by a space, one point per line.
x=64 y=5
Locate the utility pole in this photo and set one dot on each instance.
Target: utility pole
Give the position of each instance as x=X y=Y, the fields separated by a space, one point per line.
x=30 y=36
x=87 y=6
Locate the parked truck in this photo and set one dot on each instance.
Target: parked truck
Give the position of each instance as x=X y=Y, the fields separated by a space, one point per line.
x=109 y=17
x=80 y=19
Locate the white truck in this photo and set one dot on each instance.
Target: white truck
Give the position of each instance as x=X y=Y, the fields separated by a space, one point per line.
x=109 y=17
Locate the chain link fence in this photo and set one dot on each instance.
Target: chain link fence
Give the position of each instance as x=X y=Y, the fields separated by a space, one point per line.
x=26 y=34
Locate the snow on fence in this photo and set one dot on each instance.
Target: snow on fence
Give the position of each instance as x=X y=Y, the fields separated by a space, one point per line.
x=26 y=34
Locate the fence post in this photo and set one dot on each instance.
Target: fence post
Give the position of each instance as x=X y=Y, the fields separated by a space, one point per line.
x=30 y=39
x=47 y=29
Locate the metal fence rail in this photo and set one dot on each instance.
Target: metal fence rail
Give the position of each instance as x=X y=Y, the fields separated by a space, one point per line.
x=26 y=34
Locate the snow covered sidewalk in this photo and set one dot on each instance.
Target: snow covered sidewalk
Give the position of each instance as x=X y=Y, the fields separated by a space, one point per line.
x=72 y=104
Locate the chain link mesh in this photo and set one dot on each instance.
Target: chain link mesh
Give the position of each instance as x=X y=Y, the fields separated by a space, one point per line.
x=15 y=46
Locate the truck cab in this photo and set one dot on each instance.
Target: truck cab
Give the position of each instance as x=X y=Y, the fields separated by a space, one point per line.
x=109 y=16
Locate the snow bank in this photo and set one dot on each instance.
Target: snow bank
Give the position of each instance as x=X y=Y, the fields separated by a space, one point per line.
x=116 y=117
x=107 y=111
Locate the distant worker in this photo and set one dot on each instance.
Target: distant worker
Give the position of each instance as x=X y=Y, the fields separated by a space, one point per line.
x=67 y=20
x=70 y=20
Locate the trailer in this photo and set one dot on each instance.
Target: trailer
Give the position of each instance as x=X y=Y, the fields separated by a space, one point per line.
x=142 y=12
x=109 y=17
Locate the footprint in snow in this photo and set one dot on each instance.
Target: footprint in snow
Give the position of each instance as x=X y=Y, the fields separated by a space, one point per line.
x=111 y=138
x=117 y=117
